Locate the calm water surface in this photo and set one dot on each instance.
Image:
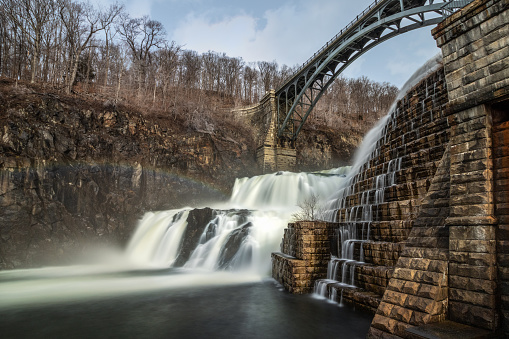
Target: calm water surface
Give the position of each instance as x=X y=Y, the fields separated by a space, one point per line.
x=248 y=310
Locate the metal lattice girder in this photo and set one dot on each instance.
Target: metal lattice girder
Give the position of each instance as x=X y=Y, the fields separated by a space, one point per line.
x=381 y=21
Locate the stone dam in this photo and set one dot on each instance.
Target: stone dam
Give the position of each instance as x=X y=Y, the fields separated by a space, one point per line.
x=420 y=235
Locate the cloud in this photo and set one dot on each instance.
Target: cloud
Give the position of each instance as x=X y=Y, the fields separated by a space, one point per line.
x=138 y=8
x=230 y=35
x=289 y=34
x=286 y=31
x=135 y=8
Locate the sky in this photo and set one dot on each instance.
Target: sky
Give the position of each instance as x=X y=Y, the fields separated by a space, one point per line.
x=287 y=31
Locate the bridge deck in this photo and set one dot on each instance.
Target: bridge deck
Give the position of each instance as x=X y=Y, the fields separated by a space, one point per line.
x=382 y=20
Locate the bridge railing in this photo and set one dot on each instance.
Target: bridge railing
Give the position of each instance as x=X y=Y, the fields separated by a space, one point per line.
x=324 y=47
x=448 y=5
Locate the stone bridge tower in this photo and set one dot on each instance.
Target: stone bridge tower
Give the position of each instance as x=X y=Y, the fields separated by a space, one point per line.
x=272 y=154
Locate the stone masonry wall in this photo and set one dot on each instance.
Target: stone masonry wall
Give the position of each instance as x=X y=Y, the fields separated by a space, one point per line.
x=501 y=179
x=270 y=156
x=445 y=214
x=417 y=291
x=415 y=138
x=475 y=45
x=450 y=268
x=305 y=253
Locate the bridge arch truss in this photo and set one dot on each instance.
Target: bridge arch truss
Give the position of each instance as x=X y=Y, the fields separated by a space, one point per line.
x=381 y=21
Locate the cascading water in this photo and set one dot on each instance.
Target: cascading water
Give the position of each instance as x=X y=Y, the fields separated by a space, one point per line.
x=184 y=247
x=242 y=233
x=238 y=235
x=355 y=221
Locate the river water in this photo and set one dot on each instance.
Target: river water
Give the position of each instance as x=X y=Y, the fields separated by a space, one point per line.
x=221 y=289
x=194 y=273
x=243 y=310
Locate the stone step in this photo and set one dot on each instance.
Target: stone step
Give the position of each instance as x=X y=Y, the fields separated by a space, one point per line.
x=450 y=330
x=358 y=297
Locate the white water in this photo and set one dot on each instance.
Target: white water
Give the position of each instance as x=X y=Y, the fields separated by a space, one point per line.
x=262 y=205
x=154 y=247
x=270 y=200
x=341 y=270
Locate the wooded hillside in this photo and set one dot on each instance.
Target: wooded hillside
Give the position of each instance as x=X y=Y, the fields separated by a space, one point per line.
x=75 y=46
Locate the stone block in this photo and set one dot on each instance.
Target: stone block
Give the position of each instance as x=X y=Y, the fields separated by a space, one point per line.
x=432 y=278
x=478 y=272
x=401 y=314
x=472 y=187
x=475 y=246
x=472 y=284
x=395 y=298
x=472 y=166
x=433 y=292
x=472 y=315
x=468 y=120
x=484 y=198
x=424 y=305
x=474 y=210
x=383 y=323
x=472 y=232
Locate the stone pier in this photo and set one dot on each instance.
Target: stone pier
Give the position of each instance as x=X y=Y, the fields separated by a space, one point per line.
x=272 y=154
x=305 y=253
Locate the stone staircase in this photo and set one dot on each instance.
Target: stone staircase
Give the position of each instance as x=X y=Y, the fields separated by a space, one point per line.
x=382 y=204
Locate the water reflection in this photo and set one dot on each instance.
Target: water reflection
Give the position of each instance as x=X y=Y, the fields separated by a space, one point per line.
x=249 y=310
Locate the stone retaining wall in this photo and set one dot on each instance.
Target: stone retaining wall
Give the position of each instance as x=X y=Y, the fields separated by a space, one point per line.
x=306 y=253
x=501 y=179
x=454 y=265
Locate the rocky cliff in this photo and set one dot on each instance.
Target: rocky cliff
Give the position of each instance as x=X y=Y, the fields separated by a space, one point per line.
x=75 y=170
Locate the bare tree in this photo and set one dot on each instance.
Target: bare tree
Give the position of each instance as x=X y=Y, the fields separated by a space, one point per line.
x=268 y=71
x=249 y=76
x=191 y=66
x=142 y=36
x=59 y=41
x=31 y=17
x=81 y=23
x=310 y=209
x=232 y=70
x=106 y=19
x=167 y=58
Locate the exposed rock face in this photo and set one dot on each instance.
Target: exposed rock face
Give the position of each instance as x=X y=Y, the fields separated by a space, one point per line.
x=48 y=213
x=232 y=246
x=74 y=171
x=197 y=221
x=319 y=149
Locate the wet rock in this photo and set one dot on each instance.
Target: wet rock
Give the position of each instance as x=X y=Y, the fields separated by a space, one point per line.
x=197 y=220
x=232 y=246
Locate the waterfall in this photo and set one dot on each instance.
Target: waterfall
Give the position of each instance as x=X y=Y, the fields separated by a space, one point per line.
x=239 y=234
x=355 y=217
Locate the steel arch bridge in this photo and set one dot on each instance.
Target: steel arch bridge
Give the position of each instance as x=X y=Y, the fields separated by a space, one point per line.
x=382 y=20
